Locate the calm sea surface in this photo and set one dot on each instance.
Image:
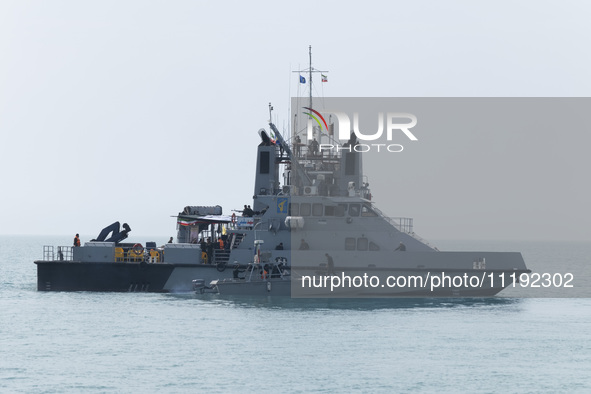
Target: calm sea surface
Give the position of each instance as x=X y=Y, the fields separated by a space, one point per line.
x=171 y=343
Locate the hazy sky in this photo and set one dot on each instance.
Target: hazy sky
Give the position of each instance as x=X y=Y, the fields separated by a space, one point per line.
x=131 y=110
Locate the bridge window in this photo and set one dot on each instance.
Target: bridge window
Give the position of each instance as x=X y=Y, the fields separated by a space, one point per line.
x=349 y=243
x=317 y=209
x=305 y=209
x=362 y=243
x=373 y=247
x=264 y=163
x=350 y=163
x=354 y=209
x=329 y=210
x=367 y=211
x=294 y=209
x=340 y=210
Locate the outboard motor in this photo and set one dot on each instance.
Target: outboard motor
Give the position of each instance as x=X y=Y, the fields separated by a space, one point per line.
x=200 y=287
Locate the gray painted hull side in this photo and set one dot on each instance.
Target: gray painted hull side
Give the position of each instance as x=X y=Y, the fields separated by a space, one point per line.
x=293 y=288
x=411 y=260
x=272 y=287
x=417 y=283
x=122 y=277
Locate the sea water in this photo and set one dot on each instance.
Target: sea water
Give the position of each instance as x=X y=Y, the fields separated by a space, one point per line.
x=53 y=342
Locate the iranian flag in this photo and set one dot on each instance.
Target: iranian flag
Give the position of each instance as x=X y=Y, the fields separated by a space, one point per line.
x=186 y=222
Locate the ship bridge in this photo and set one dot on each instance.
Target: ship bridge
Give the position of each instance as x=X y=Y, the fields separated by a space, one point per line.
x=306 y=169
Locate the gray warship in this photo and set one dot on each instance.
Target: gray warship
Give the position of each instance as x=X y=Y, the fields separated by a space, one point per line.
x=312 y=213
x=323 y=208
x=322 y=224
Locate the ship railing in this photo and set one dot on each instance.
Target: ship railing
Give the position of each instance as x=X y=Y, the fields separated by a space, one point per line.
x=305 y=152
x=401 y=224
x=62 y=253
x=404 y=225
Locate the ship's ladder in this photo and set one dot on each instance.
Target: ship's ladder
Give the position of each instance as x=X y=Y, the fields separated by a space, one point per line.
x=220 y=257
x=237 y=239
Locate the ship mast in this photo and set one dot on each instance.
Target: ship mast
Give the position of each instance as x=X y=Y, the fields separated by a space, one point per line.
x=310 y=70
x=310 y=50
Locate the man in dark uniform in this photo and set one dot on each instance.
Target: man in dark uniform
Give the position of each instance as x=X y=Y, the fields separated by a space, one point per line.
x=304 y=245
x=297 y=145
x=329 y=264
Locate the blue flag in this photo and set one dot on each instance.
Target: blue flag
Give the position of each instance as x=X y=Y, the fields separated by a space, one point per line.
x=302 y=79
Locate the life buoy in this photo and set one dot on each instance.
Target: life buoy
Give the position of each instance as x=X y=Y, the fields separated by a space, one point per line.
x=138 y=249
x=233 y=218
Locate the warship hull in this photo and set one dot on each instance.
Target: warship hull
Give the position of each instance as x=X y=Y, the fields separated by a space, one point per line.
x=418 y=283
x=120 y=276
x=446 y=284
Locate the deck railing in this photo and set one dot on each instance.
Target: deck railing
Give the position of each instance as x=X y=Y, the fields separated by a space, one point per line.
x=51 y=253
x=404 y=225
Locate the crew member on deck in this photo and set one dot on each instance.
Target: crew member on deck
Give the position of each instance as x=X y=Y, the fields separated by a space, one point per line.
x=279 y=247
x=304 y=245
x=313 y=147
x=329 y=264
x=209 y=247
x=77 y=240
x=247 y=212
x=170 y=240
x=297 y=145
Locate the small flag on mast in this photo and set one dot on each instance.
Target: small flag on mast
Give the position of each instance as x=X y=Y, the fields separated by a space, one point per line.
x=302 y=79
x=324 y=78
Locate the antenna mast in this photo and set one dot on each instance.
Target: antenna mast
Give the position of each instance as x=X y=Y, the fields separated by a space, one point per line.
x=310 y=70
x=310 y=50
